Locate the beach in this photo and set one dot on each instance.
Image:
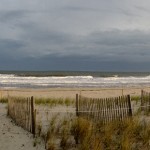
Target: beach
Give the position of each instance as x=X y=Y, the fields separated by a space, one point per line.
x=15 y=137
x=71 y=92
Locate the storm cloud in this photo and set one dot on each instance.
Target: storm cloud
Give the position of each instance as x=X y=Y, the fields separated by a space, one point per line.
x=75 y=35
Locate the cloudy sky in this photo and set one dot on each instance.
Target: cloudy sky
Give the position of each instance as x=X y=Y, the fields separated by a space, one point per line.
x=96 y=35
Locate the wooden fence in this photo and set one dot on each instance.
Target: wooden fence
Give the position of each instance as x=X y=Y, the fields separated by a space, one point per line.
x=145 y=101
x=104 y=110
x=21 y=110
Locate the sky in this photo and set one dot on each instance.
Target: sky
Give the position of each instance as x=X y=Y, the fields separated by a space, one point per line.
x=83 y=35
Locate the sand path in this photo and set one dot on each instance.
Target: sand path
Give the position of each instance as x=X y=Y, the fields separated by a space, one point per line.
x=13 y=137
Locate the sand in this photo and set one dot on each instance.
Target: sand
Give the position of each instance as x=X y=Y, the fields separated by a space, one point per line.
x=13 y=137
x=16 y=138
x=71 y=92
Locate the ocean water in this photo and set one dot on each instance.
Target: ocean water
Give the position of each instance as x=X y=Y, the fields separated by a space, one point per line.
x=17 y=79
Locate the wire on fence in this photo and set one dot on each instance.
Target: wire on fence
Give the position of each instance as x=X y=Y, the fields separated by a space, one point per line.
x=25 y=112
x=84 y=111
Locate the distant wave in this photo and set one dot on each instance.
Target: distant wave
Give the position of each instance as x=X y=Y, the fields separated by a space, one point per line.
x=115 y=75
x=148 y=77
x=7 y=75
x=73 y=77
x=13 y=81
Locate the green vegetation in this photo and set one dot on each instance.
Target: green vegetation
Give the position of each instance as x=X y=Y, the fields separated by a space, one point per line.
x=54 y=101
x=131 y=134
x=78 y=133
x=37 y=141
x=127 y=135
x=3 y=100
x=65 y=134
x=136 y=98
x=46 y=101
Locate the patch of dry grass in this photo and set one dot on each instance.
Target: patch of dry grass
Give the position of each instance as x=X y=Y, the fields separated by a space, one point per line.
x=54 y=101
x=4 y=100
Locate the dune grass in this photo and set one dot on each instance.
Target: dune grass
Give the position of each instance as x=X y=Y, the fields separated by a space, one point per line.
x=54 y=101
x=46 y=101
x=130 y=134
x=136 y=98
x=4 y=100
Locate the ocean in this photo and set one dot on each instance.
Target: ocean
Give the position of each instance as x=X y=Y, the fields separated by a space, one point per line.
x=73 y=79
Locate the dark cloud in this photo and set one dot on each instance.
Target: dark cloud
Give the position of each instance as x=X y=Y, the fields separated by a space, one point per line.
x=12 y=15
x=9 y=47
x=80 y=35
x=80 y=63
x=82 y=9
x=111 y=44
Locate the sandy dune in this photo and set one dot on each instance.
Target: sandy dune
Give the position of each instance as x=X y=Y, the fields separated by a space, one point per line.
x=13 y=137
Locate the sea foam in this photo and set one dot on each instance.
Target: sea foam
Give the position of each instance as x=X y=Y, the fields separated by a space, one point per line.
x=14 y=81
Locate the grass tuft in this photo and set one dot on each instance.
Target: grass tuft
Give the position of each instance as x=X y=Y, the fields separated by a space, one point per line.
x=4 y=100
x=54 y=101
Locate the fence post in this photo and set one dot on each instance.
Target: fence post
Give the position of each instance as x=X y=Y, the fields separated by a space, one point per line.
x=77 y=105
x=1 y=95
x=8 y=112
x=35 y=119
x=33 y=116
x=129 y=104
x=142 y=103
x=149 y=102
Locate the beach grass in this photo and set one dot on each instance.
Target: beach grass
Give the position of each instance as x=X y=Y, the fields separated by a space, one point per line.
x=4 y=100
x=136 y=98
x=46 y=101
x=131 y=134
x=54 y=101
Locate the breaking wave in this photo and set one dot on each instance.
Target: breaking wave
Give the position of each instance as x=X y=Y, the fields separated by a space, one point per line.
x=14 y=81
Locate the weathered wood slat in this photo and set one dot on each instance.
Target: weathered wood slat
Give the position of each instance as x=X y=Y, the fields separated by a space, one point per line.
x=19 y=109
x=145 y=101
x=105 y=110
